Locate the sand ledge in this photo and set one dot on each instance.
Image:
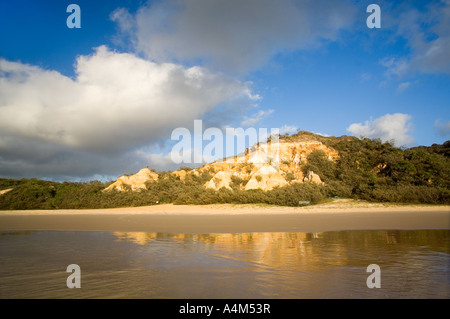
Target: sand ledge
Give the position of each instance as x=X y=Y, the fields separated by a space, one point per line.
x=338 y=215
x=338 y=205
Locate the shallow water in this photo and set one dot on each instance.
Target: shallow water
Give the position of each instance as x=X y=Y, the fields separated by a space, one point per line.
x=413 y=263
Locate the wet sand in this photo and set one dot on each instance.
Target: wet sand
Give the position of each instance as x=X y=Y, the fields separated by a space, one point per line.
x=334 y=216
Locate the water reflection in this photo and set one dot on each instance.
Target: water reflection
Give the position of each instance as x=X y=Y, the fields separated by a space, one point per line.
x=414 y=264
x=306 y=249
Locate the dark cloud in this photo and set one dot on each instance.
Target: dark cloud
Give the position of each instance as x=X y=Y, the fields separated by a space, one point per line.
x=237 y=36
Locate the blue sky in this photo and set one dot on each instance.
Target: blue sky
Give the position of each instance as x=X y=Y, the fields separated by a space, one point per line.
x=102 y=100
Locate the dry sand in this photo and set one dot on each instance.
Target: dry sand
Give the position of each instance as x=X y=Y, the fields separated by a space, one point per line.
x=331 y=216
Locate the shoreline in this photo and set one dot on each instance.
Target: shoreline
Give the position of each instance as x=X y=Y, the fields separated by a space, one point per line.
x=229 y=218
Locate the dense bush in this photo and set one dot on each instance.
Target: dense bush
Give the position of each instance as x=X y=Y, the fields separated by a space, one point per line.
x=318 y=162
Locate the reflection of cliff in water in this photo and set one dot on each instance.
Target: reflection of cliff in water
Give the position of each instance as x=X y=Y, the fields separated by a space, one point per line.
x=302 y=250
x=414 y=264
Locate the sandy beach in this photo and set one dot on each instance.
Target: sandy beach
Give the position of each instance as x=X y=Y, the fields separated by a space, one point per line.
x=167 y=218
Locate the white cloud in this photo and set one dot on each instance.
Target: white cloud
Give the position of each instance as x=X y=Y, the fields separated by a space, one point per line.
x=397 y=67
x=255 y=118
x=427 y=33
x=124 y=19
x=387 y=127
x=288 y=129
x=125 y=25
x=116 y=104
x=233 y=35
x=432 y=55
x=322 y=134
x=403 y=86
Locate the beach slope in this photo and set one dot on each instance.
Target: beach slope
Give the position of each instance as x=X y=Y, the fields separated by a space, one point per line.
x=333 y=216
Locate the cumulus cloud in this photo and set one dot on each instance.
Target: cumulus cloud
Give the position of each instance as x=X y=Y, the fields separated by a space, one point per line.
x=427 y=33
x=431 y=45
x=116 y=104
x=232 y=35
x=387 y=127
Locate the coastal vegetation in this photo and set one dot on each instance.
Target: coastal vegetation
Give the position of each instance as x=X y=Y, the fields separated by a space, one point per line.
x=366 y=169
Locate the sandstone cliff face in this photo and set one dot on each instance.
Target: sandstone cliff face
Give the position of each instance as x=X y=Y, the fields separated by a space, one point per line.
x=268 y=165
x=219 y=180
x=262 y=166
x=4 y=191
x=133 y=182
x=311 y=177
x=266 y=178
